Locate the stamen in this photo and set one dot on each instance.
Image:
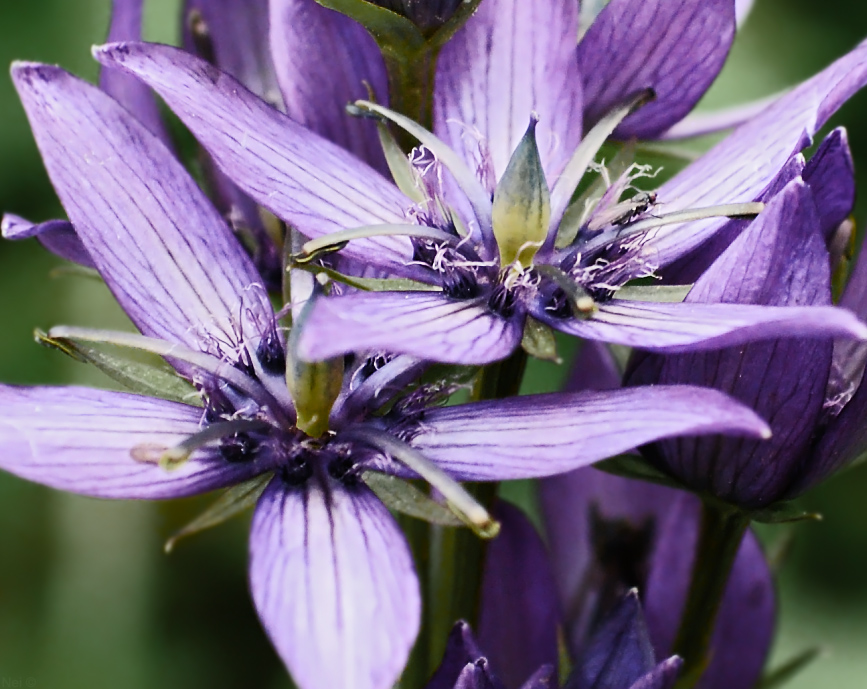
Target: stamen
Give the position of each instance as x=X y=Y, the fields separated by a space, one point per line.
x=464 y=505
x=733 y=210
x=172 y=457
x=583 y=304
x=584 y=155
x=340 y=239
x=472 y=187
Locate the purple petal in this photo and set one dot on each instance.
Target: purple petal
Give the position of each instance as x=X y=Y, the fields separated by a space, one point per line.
x=675 y=48
x=742 y=165
x=510 y=59
x=745 y=625
x=162 y=248
x=663 y=676
x=779 y=263
x=619 y=652
x=126 y=25
x=543 y=435
x=421 y=324
x=334 y=584
x=82 y=440
x=713 y=121
x=58 y=236
x=477 y=675
x=461 y=649
x=323 y=60
x=594 y=369
x=237 y=34
x=519 y=611
x=850 y=356
x=830 y=175
x=543 y=678
x=301 y=177
x=686 y=327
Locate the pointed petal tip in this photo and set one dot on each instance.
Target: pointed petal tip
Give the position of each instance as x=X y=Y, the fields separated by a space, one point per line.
x=24 y=72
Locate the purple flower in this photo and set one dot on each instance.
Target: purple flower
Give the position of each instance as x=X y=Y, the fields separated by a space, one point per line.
x=619 y=656
x=568 y=272
x=809 y=390
x=331 y=574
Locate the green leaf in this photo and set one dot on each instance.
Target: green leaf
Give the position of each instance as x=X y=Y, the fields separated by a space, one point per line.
x=401 y=496
x=790 y=669
x=152 y=379
x=398 y=163
x=231 y=503
x=783 y=513
x=673 y=294
x=538 y=341
x=464 y=11
x=635 y=467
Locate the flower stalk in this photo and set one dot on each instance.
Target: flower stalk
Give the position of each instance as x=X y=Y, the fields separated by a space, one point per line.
x=721 y=532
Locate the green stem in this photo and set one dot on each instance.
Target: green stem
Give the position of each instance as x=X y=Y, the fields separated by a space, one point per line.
x=410 y=88
x=722 y=530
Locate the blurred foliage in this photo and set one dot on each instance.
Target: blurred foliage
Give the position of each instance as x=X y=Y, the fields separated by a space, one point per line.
x=87 y=598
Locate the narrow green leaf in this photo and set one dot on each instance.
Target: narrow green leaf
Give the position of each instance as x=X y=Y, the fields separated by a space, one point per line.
x=401 y=496
x=372 y=284
x=464 y=11
x=783 y=513
x=152 y=379
x=538 y=341
x=673 y=294
x=231 y=503
x=636 y=467
x=790 y=669
x=398 y=163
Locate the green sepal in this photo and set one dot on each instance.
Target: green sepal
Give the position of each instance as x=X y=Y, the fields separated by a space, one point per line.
x=672 y=294
x=395 y=35
x=790 y=669
x=783 y=513
x=403 y=497
x=538 y=341
x=75 y=270
x=636 y=467
x=151 y=379
x=231 y=503
x=398 y=163
x=522 y=203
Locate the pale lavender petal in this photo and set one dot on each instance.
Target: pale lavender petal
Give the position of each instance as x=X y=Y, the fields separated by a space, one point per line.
x=783 y=264
x=512 y=58
x=422 y=324
x=164 y=251
x=301 y=177
x=830 y=174
x=667 y=327
x=519 y=611
x=712 y=121
x=334 y=584
x=237 y=38
x=543 y=435
x=477 y=675
x=323 y=60
x=742 y=165
x=743 y=9
x=745 y=625
x=58 y=236
x=126 y=25
x=84 y=441
x=675 y=47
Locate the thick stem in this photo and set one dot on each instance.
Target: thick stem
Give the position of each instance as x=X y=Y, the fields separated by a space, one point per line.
x=722 y=530
x=410 y=89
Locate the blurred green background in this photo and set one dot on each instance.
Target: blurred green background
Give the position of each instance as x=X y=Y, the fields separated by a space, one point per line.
x=87 y=597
